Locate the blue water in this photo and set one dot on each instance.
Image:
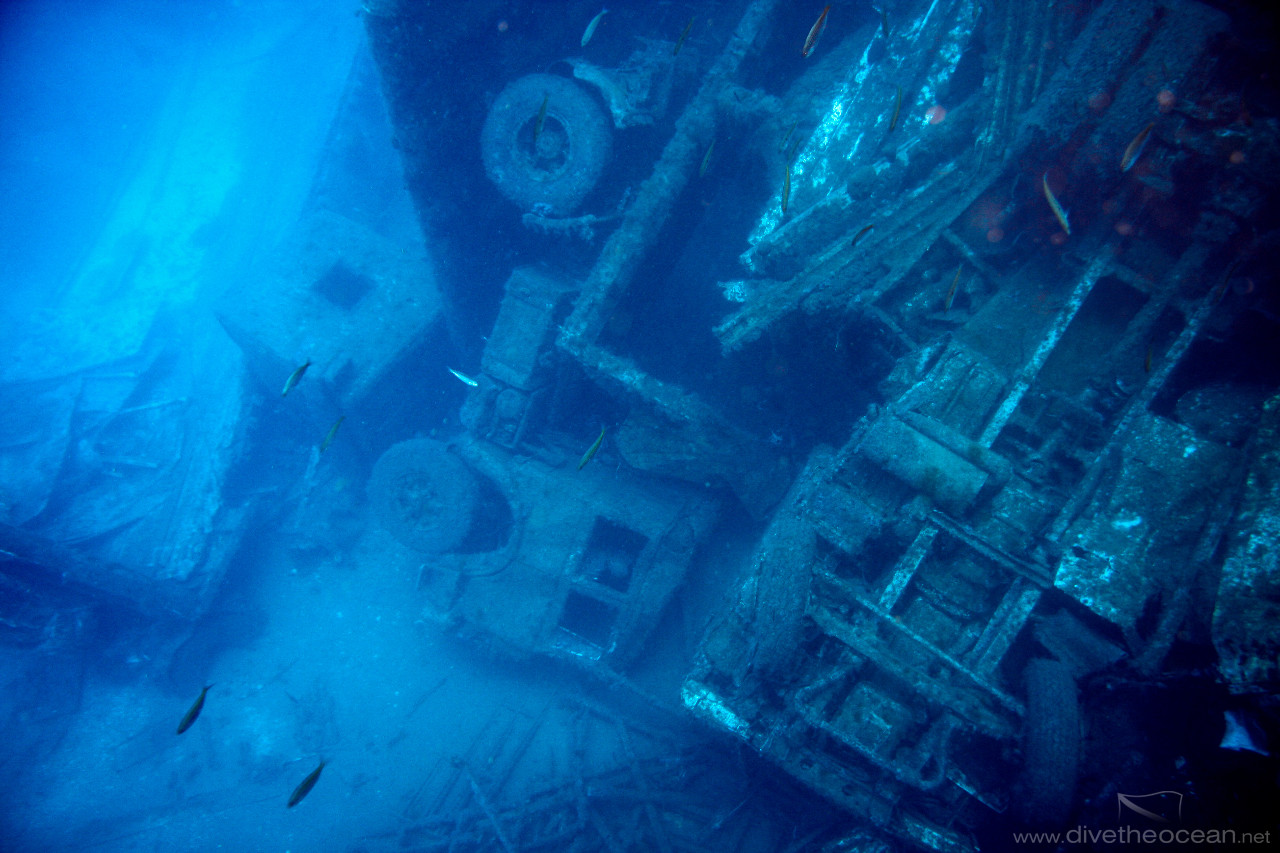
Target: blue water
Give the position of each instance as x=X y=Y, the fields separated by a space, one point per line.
x=183 y=183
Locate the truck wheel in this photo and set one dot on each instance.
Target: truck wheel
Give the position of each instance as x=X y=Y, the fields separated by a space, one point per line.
x=425 y=496
x=1051 y=750
x=545 y=143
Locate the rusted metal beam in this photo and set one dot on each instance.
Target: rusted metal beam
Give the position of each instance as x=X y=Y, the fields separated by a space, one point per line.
x=634 y=238
x=483 y=802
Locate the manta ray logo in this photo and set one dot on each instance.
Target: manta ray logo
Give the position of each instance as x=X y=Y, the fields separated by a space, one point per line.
x=1161 y=806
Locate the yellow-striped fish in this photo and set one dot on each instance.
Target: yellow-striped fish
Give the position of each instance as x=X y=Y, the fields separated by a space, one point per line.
x=1134 y=151
x=294 y=378
x=1054 y=206
x=897 y=108
x=815 y=33
x=542 y=117
x=684 y=35
x=951 y=292
x=305 y=786
x=189 y=718
x=591 y=27
x=786 y=190
x=591 y=451
x=1226 y=279
x=333 y=430
x=787 y=138
x=706 y=159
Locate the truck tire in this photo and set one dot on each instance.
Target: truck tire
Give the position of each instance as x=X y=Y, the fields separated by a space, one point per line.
x=550 y=171
x=424 y=495
x=1051 y=749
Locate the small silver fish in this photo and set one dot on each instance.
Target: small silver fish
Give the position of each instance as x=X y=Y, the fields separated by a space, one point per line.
x=464 y=378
